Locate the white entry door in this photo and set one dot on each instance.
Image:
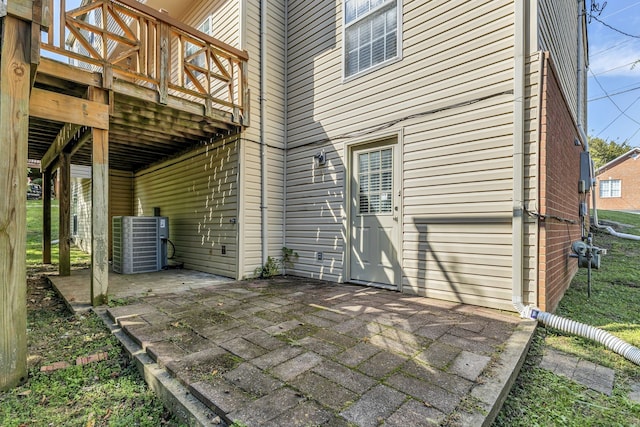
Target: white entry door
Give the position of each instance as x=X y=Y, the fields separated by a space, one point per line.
x=374 y=216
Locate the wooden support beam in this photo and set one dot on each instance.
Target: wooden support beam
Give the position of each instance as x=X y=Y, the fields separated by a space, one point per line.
x=64 y=227
x=53 y=68
x=65 y=135
x=68 y=109
x=99 y=209
x=46 y=216
x=14 y=116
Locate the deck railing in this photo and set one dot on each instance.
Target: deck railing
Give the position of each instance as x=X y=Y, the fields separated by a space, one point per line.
x=128 y=41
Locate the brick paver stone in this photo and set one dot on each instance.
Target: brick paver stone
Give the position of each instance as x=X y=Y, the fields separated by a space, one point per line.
x=357 y=354
x=415 y=414
x=252 y=380
x=634 y=395
x=439 y=355
x=277 y=357
x=304 y=415
x=259 y=412
x=219 y=395
x=426 y=392
x=326 y=392
x=380 y=365
x=374 y=406
x=469 y=365
x=294 y=367
x=344 y=376
x=243 y=348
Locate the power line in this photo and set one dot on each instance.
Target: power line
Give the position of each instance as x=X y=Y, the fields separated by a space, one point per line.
x=592 y=16
x=619 y=115
x=622 y=113
x=623 y=9
x=617 y=68
x=614 y=94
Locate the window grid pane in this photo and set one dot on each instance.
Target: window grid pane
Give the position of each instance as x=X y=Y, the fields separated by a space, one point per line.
x=370 y=39
x=610 y=188
x=375 y=182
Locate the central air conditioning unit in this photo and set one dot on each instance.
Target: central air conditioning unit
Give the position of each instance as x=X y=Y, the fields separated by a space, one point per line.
x=139 y=243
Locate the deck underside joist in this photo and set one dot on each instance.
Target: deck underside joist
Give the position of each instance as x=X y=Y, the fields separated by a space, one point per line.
x=141 y=130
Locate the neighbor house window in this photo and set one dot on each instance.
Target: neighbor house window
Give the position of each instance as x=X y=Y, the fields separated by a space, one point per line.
x=372 y=34
x=610 y=188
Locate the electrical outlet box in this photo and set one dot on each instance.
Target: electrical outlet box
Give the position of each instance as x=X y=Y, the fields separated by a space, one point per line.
x=319 y=256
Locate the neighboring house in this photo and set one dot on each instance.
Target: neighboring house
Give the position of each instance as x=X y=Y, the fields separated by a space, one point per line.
x=618 y=183
x=428 y=147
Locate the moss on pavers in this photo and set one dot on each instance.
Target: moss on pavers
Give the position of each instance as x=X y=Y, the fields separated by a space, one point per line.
x=252 y=380
x=203 y=365
x=324 y=391
x=261 y=411
x=345 y=377
x=382 y=364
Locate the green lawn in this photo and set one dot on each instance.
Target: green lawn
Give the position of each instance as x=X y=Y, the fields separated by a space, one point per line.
x=540 y=398
x=34 y=237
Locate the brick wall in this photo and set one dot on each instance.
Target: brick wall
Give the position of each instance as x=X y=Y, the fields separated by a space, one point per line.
x=559 y=175
x=627 y=170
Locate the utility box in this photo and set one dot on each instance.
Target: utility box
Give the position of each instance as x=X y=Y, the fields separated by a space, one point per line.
x=139 y=243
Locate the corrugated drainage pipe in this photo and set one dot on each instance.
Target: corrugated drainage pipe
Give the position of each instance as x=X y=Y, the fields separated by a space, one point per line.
x=613 y=343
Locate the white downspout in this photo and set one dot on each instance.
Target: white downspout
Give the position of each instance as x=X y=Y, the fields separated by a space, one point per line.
x=518 y=153
x=263 y=145
x=285 y=124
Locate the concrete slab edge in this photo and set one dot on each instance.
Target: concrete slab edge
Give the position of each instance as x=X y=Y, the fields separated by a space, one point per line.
x=74 y=308
x=171 y=392
x=490 y=396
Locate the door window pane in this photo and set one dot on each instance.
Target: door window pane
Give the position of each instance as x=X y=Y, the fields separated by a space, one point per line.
x=375 y=182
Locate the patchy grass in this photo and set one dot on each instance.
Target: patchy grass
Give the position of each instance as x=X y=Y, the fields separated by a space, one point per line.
x=542 y=398
x=109 y=392
x=106 y=393
x=34 y=238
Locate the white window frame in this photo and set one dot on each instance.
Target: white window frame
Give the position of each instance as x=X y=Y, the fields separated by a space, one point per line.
x=607 y=189
x=382 y=64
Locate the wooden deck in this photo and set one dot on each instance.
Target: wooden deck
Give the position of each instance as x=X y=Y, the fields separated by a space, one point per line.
x=167 y=86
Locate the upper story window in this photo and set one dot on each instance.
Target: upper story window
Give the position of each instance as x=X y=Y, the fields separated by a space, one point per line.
x=191 y=49
x=610 y=188
x=371 y=34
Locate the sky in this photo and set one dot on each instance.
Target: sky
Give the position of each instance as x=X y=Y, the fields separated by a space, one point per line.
x=614 y=72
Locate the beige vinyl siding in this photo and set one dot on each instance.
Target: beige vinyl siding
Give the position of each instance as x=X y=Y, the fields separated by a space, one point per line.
x=250 y=204
x=558 y=32
x=120 y=197
x=457 y=163
x=198 y=193
x=226 y=19
x=120 y=203
x=250 y=169
x=81 y=207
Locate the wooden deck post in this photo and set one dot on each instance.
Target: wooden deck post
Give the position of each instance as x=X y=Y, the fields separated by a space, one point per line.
x=64 y=226
x=15 y=73
x=46 y=216
x=99 y=208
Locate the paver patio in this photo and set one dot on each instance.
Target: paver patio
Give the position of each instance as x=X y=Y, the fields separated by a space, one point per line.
x=300 y=352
